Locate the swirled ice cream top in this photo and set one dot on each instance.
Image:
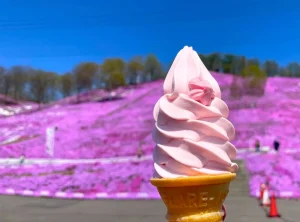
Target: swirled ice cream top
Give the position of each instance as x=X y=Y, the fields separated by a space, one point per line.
x=192 y=132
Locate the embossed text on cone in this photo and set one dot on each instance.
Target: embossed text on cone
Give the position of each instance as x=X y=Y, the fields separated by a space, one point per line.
x=273 y=208
x=195 y=198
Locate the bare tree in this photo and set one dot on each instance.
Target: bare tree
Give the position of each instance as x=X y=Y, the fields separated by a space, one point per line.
x=153 y=67
x=52 y=88
x=66 y=84
x=40 y=83
x=2 y=74
x=84 y=74
x=113 y=71
x=135 y=66
x=228 y=63
x=7 y=84
x=294 y=69
x=271 y=68
x=19 y=76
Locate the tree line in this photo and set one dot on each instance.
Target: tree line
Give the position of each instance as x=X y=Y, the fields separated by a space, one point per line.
x=27 y=83
x=229 y=63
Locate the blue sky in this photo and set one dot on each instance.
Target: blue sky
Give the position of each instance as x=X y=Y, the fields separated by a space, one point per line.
x=58 y=35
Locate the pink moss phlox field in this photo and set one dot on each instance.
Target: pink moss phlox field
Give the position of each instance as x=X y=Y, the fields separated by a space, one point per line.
x=86 y=130
x=94 y=129
x=282 y=171
x=82 y=178
x=99 y=129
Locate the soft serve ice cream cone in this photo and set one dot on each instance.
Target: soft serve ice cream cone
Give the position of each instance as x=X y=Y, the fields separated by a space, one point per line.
x=192 y=158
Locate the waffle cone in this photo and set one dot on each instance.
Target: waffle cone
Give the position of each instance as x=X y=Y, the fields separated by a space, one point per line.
x=194 y=199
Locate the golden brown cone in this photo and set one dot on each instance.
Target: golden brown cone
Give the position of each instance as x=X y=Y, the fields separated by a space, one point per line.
x=194 y=199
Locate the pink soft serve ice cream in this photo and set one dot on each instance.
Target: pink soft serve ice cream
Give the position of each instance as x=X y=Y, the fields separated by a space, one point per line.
x=192 y=132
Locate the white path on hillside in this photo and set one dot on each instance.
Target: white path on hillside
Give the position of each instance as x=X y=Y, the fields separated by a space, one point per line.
x=124 y=159
x=16 y=161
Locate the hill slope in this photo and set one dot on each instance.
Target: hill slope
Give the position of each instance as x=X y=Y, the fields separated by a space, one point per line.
x=116 y=128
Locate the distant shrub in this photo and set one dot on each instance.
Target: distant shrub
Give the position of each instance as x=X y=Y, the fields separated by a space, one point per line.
x=252 y=82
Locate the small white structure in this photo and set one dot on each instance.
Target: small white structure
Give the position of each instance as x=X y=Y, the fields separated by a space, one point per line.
x=266 y=198
x=50 y=139
x=265 y=149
